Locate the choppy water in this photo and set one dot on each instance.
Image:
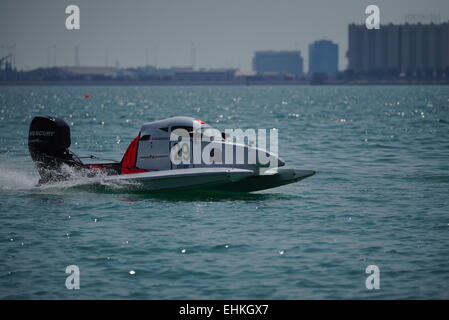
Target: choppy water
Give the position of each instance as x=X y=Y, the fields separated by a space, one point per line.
x=380 y=197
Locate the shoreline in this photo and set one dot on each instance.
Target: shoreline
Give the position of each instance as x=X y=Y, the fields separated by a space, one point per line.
x=219 y=83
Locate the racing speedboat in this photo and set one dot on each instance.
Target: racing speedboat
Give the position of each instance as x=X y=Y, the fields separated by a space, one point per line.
x=170 y=154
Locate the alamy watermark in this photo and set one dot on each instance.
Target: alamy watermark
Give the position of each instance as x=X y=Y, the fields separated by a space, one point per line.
x=72 y=22
x=373 y=19
x=373 y=280
x=207 y=145
x=72 y=282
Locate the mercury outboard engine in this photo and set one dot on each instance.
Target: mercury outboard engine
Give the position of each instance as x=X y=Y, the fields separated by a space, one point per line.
x=48 y=142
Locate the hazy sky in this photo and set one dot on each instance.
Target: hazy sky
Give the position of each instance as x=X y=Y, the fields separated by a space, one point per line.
x=224 y=33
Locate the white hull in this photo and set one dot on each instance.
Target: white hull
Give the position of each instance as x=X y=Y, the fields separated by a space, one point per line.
x=223 y=179
x=185 y=179
x=272 y=179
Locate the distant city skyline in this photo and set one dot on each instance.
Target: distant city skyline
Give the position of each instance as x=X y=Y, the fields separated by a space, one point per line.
x=204 y=33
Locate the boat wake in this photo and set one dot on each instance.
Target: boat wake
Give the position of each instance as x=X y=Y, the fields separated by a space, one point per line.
x=16 y=177
x=13 y=179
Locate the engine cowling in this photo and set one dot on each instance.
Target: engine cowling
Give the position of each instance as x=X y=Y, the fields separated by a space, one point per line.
x=48 y=143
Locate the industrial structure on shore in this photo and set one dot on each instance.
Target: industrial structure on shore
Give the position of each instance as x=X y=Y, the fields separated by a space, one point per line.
x=408 y=50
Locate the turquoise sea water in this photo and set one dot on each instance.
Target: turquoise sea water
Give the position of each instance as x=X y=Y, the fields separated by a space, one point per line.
x=380 y=196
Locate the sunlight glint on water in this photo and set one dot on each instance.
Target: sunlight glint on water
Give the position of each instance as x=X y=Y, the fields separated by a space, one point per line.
x=379 y=197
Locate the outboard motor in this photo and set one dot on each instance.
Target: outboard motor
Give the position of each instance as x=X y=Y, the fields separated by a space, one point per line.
x=48 y=142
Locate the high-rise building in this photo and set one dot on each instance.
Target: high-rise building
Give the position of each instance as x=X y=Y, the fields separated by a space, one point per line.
x=289 y=62
x=323 y=57
x=410 y=49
